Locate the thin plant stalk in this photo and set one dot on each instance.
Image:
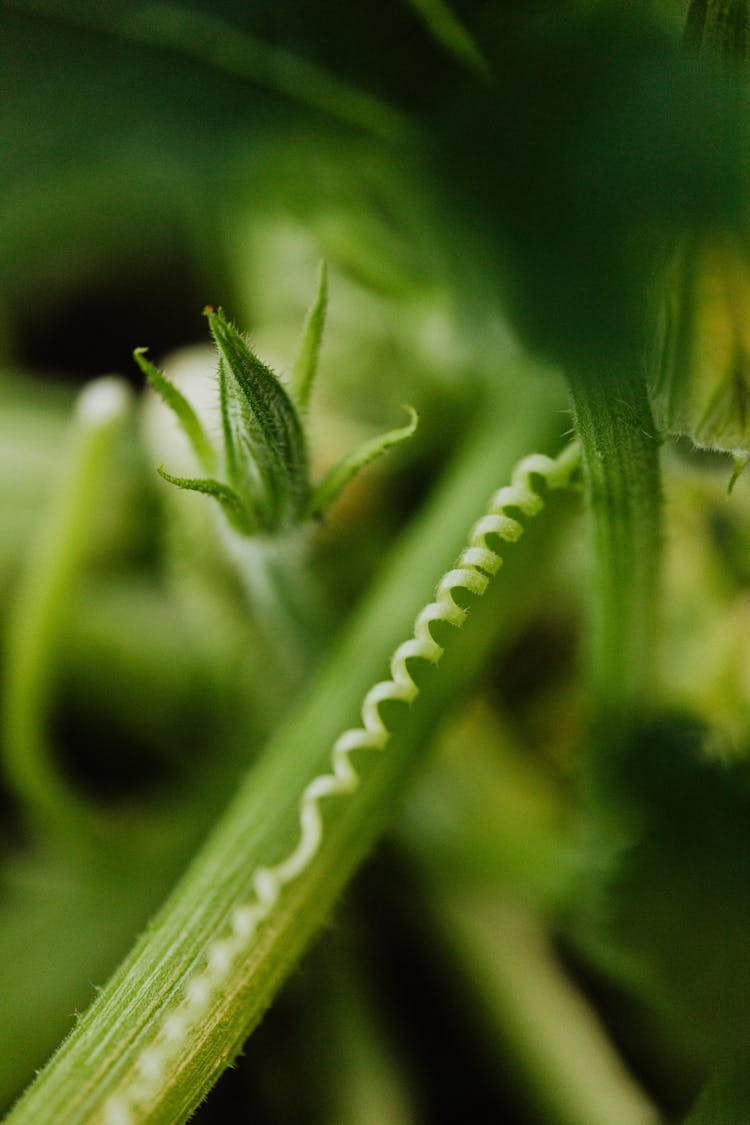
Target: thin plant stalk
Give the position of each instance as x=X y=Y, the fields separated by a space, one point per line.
x=40 y=609
x=545 y=1026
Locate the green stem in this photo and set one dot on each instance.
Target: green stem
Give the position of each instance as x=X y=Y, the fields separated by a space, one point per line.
x=570 y=1070
x=365 y=1075
x=120 y=1064
x=282 y=597
x=489 y=839
x=620 y=453
x=40 y=609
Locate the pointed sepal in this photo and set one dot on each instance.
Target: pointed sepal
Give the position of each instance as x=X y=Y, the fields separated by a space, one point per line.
x=305 y=365
x=183 y=411
x=234 y=509
x=336 y=479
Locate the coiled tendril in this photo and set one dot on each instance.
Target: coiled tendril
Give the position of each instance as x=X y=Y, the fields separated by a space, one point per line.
x=478 y=562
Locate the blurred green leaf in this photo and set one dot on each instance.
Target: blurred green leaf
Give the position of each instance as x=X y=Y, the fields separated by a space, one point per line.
x=666 y=892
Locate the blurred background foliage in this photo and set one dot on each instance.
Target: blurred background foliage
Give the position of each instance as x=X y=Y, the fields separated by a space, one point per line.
x=157 y=157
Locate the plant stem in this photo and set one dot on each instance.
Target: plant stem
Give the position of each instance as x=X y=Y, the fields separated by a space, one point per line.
x=488 y=839
x=620 y=455
x=552 y=1036
x=366 y=1076
x=282 y=597
x=118 y=1065
x=40 y=608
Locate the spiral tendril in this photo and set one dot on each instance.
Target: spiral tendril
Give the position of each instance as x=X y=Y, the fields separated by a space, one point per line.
x=476 y=565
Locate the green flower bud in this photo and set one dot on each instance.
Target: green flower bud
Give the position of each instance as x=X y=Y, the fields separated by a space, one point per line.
x=259 y=475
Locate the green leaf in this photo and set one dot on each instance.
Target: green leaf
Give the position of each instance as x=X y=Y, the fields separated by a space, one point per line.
x=235 y=510
x=668 y=855
x=265 y=444
x=339 y=476
x=186 y=416
x=698 y=379
x=741 y=461
x=306 y=362
x=447 y=29
x=226 y=47
x=725 y=1100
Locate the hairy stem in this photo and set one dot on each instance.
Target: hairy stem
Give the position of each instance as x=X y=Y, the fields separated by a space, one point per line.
x=176 y=1013
x=282 y=597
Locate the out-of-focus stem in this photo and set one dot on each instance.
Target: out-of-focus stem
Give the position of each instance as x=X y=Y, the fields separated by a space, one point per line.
x=567 y=1065
x=41 y=605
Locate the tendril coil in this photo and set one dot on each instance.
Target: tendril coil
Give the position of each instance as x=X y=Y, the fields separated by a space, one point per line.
x=476 y=565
